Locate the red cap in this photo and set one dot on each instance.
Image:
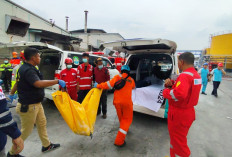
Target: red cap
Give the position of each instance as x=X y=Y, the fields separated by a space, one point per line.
x=68 y=61
x=220 y=64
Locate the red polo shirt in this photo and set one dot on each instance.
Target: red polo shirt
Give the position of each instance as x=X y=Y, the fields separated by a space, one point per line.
x=101 y=75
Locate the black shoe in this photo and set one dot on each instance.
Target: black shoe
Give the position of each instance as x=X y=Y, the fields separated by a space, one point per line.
x=51 y=147
x=18 y=155
x=216 y=95
x=104 y=116
x=98 y=113
x=123 y=145
x=203 y=93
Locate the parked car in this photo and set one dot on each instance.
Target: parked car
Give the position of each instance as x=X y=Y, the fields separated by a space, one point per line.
x=52 y=61
x=148 y=58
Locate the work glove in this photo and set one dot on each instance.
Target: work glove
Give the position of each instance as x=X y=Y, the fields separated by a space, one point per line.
x=12 y=97
x=62 y=83
x=95 y=85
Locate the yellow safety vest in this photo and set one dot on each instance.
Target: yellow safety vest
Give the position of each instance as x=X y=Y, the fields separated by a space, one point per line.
x=15 y=74
x=6 y=67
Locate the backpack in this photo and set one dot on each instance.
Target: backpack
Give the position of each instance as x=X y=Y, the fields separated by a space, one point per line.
x=120 y=83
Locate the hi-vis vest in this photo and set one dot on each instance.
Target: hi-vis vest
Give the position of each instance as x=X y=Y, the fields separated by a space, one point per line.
x=6 y=67
x=15 y=74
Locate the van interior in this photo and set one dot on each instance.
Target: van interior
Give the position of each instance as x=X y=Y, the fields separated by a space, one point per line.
x=50 y=62
x=149 y=69
x=92 y=60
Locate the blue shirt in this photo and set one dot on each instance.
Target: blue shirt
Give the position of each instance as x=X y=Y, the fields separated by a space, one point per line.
x=217 y=74
x=204 y=74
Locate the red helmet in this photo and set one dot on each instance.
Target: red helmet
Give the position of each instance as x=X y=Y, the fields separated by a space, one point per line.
x=220 y=64
x=22 y=55
x=68 y=61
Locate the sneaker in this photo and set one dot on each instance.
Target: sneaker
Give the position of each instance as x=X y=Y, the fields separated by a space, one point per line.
x=17 y=155
x=104 y=116
x=203 y=93
x=123 y=145
x=51 y=147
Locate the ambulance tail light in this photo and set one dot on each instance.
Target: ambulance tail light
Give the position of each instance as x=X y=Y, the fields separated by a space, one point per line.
x=57 y=74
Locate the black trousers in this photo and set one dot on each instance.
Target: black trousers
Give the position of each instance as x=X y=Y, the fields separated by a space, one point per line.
x=215 y=87
x=6 y=77
x=103 y=103
x=81 y=95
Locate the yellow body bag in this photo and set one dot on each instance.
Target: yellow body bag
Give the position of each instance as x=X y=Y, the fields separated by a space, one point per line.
x=79 y=117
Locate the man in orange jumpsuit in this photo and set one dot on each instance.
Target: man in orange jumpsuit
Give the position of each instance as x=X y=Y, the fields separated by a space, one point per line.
x=69 y=75
x=15 y=60
x=182 y=96
x=122 y=102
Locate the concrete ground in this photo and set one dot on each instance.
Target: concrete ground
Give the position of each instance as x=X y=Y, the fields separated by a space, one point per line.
x=209 y=136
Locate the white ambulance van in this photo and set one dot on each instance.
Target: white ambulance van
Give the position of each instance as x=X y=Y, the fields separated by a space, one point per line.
x=52 y=61
x=151 y=62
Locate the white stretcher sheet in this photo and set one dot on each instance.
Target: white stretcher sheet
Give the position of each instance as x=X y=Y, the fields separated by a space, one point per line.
x=150 y=97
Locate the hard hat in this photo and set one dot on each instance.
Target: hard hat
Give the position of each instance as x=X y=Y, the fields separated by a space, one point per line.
x=22 y=55
x=125 y=67
x=220 y=64
x=205 y=64
x=68 y=61
x=14 y=54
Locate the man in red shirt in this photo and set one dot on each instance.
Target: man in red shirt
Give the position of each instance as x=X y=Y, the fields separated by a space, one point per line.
x=84 y=77
x=101 y=74
x=69 y=75
x=182 y=96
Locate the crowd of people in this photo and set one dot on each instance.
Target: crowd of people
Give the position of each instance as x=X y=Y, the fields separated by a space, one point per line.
x=182 y=95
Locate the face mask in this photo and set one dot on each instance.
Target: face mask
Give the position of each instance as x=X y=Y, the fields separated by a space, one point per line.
x=69 y=66
x=6 y=62
x=85 y=60
x=100 y=66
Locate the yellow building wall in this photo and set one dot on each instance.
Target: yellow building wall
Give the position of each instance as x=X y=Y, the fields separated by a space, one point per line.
x=207 y=51
x=221 y=45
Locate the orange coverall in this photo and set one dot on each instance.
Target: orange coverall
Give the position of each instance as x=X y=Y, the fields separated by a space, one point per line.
x=123 y=104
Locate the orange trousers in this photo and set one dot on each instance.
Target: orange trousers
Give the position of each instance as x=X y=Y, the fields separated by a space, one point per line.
x=125 y=117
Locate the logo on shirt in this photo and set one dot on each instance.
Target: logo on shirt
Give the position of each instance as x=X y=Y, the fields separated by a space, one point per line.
x=178 y=83
x=197 y=81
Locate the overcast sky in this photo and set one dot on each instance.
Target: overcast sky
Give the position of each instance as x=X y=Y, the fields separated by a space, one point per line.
x=187 y=22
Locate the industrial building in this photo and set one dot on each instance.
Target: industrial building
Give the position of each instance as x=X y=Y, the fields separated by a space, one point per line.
x=92 y=38
x=220 y=50
x=20 y=24
x=197 y=54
